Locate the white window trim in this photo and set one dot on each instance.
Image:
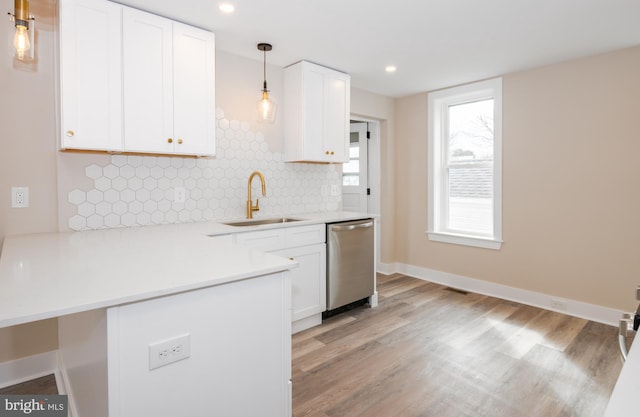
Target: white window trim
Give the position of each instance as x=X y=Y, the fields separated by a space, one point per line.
x=438 y=101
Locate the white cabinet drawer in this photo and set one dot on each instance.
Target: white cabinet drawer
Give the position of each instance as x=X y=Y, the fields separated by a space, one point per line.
x=267 y=240
x=305 y=235
x=289 y=237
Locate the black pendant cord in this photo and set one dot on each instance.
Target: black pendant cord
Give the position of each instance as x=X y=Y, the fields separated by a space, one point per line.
x=264 y=69
x=264 y=47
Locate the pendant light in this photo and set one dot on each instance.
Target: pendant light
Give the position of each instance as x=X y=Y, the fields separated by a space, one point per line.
x=22 y=36
x=266 y=105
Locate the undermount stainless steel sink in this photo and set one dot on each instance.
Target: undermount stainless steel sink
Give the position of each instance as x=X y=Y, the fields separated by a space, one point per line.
x=258 y=222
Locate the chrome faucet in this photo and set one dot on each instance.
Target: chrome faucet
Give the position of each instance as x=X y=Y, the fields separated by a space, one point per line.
x=250 y=207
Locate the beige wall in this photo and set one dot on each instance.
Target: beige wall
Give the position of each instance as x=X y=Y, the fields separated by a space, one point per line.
x=28 y=159
x=27 y=120
x=373 y=106
x=571 y=223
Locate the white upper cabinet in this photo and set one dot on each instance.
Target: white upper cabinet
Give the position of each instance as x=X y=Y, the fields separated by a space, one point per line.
x=90 y=75
x=168 y=86
x=317 y=107
x=154 y=92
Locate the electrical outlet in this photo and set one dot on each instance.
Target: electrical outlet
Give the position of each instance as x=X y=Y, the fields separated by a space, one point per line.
x=19 y=197
x=169 y=351
x=179 y=194
x=334 y=190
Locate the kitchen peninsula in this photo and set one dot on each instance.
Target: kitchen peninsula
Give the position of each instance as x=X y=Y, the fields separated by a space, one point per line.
x=120 y=293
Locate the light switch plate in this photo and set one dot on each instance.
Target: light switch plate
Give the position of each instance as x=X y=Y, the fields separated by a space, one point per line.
x=180 y=194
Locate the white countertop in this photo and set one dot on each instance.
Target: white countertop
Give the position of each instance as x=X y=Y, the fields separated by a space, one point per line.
x=52 y=274
x=624 y=399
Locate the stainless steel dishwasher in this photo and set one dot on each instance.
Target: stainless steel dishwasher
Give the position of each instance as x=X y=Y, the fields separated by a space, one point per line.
x=350 y=262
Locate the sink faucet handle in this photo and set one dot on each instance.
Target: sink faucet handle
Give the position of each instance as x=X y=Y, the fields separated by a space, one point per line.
x=250 y=207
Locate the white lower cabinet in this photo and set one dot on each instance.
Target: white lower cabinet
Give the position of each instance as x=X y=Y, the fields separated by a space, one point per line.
x=308 y=284
x=305 y=245
x=239 y=360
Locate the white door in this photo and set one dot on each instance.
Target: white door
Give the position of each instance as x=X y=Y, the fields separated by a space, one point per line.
x=355 y=178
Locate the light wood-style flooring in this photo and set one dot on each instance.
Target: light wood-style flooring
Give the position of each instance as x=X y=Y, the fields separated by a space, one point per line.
x=45 y=385
x=431 y=351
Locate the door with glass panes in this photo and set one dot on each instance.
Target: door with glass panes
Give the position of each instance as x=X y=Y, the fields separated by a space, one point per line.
x=355 y=172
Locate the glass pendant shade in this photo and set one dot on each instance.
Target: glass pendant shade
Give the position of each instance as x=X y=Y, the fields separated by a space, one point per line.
x=22 y=32
x=266 y=106
x=266 y=109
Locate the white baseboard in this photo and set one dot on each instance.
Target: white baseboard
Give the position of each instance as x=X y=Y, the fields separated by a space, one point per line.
x=306 y=323
x=387 y=269
x=62 y=381
x=28 y=368
x=574 y=308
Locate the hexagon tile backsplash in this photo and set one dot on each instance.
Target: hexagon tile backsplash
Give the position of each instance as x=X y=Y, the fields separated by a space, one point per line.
x=139 y=190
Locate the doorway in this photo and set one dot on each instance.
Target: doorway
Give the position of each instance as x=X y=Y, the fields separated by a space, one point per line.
x=361 y=175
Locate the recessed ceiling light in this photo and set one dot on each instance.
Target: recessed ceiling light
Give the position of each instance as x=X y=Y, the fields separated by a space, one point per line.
x=390 y=68
x=226 y=7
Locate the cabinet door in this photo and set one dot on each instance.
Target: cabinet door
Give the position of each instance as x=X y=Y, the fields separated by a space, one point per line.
x=90 y=75
x=148 y=79
x=313 y=114
x=336 y=110
x=193 y=90
x=308 y=280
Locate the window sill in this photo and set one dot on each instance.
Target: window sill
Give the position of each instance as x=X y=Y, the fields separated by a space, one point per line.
x=465 y=240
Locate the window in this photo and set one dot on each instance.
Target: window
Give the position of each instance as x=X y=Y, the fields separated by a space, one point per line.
x=465 y=161
x=351 y=169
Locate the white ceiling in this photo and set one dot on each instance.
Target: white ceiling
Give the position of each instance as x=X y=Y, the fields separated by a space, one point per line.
x=433 y=43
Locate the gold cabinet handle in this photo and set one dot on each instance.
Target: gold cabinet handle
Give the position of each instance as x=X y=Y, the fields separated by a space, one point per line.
x=326 y=153
x=170 y=140
x=70 y=133
x=179 y=141
x=332 y=152
x=291 y=259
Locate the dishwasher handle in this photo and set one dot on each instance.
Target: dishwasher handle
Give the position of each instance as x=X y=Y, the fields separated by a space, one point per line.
x=352 y=226
x=625 y=330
